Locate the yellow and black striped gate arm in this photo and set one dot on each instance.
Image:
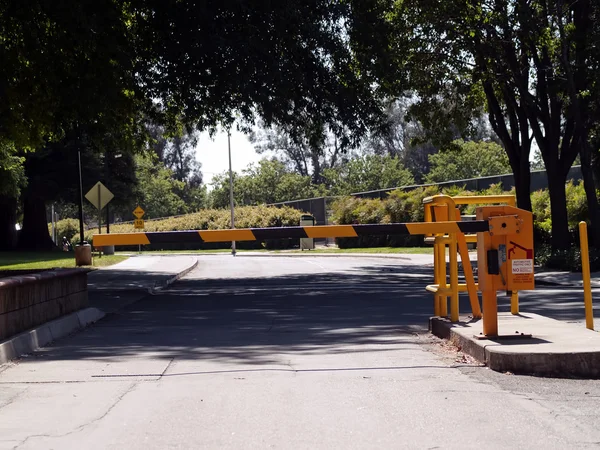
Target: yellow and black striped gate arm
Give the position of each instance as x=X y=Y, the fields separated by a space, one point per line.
x=317 y=232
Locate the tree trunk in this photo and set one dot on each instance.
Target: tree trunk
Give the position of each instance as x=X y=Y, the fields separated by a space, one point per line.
x=523 y=184
x=34 y=235
x=8 y=219
x=558 y=204
x=590 y=191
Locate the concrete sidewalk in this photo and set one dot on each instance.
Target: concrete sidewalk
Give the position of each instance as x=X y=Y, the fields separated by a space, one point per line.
x=528 y=344
x=114 y=287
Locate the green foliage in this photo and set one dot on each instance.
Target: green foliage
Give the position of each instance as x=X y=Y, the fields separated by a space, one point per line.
x=287 y=62
x=351 y=210
x=468 y=160
x=457 y=57
x=157 y=188
x=407 y=206
x=219 y=219
x=354 y=210
x=12 y=172
x=367 y=173
x=68 y=228
x=576 y=207
x=268 y=182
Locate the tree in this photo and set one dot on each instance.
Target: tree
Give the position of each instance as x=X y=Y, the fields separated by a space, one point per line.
x=157 y=188
x=403 y=138
x=368 y=173
x=286 y=62
x=468 y=160
x=406 y=137
x=178 y=153
x=307 y=155
x=53 y=175
x=55 y=59
x=12 y=181
x=268 y=182
x=178 y=63
x=531 y=62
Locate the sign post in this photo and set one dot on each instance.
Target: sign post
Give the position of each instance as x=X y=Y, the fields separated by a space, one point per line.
x=138 y=223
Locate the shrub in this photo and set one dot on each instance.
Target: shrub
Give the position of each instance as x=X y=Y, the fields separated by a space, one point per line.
x=407 y=206
x=68 y=228
x=216 y=219
x=354 y=210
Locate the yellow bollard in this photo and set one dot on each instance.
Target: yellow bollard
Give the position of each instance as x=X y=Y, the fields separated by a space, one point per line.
x=490 y=313
x=437 y=301
x=453 y=250
x=585 y=272
x=514 y=303
x=441 y=251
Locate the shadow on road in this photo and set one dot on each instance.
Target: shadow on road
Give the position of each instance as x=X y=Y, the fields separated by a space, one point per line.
x=374 y=308
x=253 y=320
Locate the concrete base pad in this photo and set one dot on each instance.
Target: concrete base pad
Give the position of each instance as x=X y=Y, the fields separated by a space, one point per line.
x=36 y=338
x=555 y=349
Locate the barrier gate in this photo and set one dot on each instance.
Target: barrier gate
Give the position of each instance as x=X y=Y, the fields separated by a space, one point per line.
x=504 y=236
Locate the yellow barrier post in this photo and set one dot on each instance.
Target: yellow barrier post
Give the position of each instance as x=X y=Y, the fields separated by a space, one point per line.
x=453 y=250
x=437 y=301
x=468 y=271
x=514 y=302
x=440 y=249
x=453 y=254
x=585 y=272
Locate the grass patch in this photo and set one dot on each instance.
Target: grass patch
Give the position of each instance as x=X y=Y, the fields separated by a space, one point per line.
x=50 y=260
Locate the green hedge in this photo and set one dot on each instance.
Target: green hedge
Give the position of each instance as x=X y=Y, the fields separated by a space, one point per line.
x=207 y=219
x=401 y=206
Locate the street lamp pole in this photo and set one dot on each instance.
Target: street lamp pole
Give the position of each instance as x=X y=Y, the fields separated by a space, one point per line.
x=231 y=190
x=81 y=242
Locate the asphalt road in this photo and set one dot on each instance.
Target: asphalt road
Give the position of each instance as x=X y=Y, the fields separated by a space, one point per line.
x=283 y=352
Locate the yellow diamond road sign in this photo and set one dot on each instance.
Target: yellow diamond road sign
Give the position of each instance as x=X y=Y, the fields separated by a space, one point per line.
x=139 y=212
x=99 y=195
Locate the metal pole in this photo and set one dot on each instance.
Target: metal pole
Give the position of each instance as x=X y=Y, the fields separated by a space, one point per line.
x=80 y=201
x=99 y=212
x=231 y=190
x=53 y=236
x=107 y=221
x=585 y=272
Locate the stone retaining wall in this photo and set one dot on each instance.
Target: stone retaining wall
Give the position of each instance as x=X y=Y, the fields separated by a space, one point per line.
x=27 y=301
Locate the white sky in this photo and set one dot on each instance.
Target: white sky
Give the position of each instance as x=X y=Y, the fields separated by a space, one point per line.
x=213 y=154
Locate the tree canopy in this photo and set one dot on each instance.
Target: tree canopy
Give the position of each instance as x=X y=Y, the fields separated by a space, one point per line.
x=465 y=160
x=89 y=75
x=532 y=64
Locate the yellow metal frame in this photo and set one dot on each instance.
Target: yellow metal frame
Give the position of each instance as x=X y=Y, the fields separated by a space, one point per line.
x=457 y=242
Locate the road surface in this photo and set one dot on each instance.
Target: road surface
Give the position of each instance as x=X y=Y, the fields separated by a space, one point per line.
x=286 y=352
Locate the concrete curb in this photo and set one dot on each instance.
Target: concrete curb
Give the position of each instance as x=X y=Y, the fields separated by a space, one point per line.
x=556 y=361
x=154 y=290
x=29 y=341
